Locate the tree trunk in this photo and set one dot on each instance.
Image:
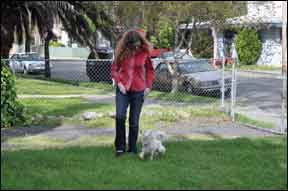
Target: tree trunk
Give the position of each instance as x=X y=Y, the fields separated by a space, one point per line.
x=169 y=65
x=28 y=30
x=215 y=42
x=28 y=44
x=6 y=44
x=143 y=11
x=5 y=51
x=47 y=39
x=188 y=47
x=190 y=43
x=176 y=36
x=47 y=61
x=174 y=76
x=182 y=37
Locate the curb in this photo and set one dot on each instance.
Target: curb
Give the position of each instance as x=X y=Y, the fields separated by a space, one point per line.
x=261 y=72
x=264 y=74
x=262 y=129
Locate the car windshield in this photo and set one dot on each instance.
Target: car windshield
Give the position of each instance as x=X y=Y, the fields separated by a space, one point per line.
x=177 y=55
x=194 y=67
x=31 y=57
x=105 y=55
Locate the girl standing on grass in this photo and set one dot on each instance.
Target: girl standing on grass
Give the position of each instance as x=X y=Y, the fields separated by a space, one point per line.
x=133 y=74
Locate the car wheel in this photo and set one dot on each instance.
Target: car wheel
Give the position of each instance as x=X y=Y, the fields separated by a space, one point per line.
x=189 y=88
x=228 y=93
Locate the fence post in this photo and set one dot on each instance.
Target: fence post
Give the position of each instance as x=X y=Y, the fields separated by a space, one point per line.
x=223 y=85
x=232 y=112
x=284 y=100
x=235 y=92
x=284 y=65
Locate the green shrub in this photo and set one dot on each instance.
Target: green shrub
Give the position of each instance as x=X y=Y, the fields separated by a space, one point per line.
x=154 y=40
x=12 y=111
x=248 y=46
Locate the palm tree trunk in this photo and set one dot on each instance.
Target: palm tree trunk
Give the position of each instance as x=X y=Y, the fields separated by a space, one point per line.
x=28 y=44
x=6 y=44
x=46 y=54
x=5 y=49
x=28 y=30
x=47 y=64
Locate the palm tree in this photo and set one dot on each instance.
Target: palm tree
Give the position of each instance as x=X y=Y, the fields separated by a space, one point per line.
x=21 y=16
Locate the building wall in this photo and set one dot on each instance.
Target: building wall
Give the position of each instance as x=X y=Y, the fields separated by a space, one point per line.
x=262 y=9
x=220 y=38
x=271 y=53
x=54 y=52
x=65 y=52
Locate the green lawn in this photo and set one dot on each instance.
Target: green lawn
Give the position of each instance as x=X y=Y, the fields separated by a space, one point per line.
x=218 y=164
x=71 y=108
x=183 y=97
x=45 y=87
x=247 y=120
x=67 y=107
x=41 y=86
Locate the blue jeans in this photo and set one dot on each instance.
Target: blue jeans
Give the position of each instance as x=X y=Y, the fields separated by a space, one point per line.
x=135 y=100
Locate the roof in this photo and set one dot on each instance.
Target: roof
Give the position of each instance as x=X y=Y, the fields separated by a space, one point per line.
x=263 y=14
x=253 y=20
x=21 y=53
x=241 y=21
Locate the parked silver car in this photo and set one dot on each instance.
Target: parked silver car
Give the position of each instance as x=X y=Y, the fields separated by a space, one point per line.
x=27 y=63
x=193 y=76
x=170 y=56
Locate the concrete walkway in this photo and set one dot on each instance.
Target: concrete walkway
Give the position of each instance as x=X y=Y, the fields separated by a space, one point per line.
x=179 y=130
x=212 y=129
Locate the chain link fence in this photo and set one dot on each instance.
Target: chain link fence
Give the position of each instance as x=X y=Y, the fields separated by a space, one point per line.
x=260 y=99
x=181 y=79
x=257 y=99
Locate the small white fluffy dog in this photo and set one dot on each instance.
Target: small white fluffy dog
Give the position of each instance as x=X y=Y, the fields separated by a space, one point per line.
x=152 y=144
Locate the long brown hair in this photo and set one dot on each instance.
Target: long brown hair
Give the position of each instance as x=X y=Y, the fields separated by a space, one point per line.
x=130 y=43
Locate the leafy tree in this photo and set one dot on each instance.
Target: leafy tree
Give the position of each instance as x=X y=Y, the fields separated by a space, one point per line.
x=43 y=15
x=202 y=46
x=165 y=35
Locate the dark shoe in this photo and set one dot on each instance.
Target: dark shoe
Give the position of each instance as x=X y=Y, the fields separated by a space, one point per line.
x=119 y=153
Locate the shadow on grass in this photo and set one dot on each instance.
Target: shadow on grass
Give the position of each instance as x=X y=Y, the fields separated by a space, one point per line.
x=182 y=97
x=48 y=107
